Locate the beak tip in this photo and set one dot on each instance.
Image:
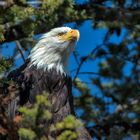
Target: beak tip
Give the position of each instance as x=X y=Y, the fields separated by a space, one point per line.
x=77 y=34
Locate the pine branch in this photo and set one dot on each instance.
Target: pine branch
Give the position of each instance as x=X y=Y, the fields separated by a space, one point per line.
x=90 y=9
x=105 y=129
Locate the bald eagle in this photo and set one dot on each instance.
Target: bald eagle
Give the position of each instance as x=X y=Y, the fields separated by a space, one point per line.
x=46 y=69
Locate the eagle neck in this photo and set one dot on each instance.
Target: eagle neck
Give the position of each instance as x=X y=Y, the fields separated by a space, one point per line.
x=57 y=61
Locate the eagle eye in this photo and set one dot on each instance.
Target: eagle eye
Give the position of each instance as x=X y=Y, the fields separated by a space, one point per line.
x=62 y=33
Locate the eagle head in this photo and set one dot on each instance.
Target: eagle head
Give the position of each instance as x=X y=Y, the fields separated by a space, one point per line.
x=53 y=49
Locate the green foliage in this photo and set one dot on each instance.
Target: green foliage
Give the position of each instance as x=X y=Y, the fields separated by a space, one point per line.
x=67 y=134
x=35 y=118
x=5 y=64
x=68 y=127
x=81 y=86
x=87 y=100
x=28 y=114
x=27 y=134
x=114 y=85
x=69 y=122
x=2 y=33
x=35 y=122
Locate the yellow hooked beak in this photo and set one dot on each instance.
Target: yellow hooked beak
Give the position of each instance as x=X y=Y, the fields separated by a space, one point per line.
x=70 y=35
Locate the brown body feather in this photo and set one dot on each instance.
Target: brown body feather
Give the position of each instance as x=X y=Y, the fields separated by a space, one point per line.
x=32 y=81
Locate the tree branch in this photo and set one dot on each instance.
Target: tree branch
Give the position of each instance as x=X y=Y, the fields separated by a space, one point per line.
x=84 y=59
x=76 y=57
x=89 y=73
x=19 y=47
x=104 y=129
x=92 y=10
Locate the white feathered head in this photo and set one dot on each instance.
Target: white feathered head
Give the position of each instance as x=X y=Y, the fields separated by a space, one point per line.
x=54 y=48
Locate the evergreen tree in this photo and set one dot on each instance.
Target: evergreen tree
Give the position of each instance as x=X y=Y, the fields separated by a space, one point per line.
x=21 y=20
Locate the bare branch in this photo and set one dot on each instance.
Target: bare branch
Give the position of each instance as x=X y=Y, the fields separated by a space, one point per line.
x=19 y=47
x=84 y=59
x=89 y=73
x=76 y=57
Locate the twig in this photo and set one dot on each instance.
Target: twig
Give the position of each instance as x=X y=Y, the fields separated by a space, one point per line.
x=19 y=47
x=76 y=57
x=84 y=59
x=90 y=73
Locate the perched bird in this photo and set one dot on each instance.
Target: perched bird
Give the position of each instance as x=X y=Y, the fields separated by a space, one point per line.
x=46 y=69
